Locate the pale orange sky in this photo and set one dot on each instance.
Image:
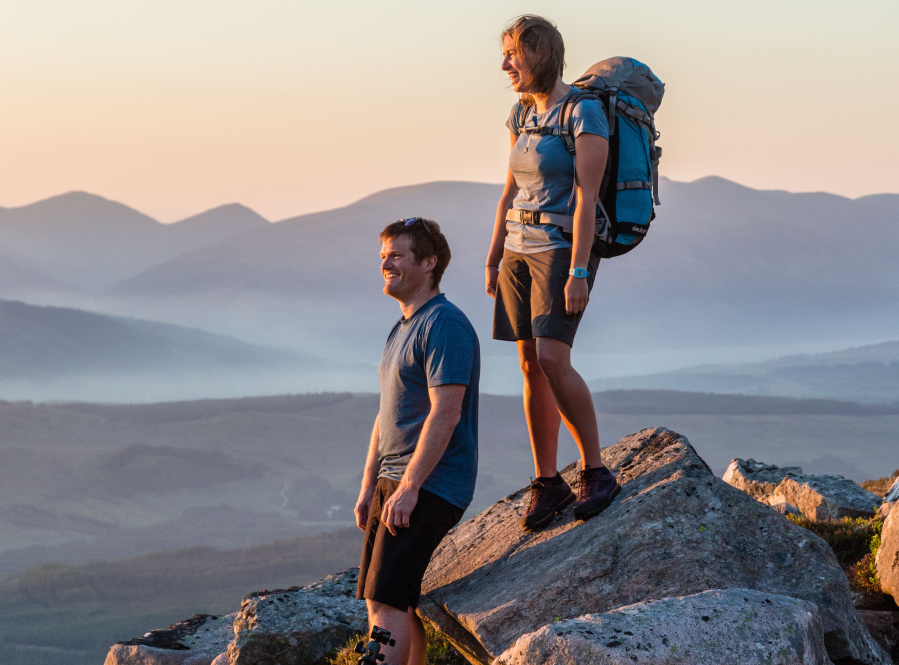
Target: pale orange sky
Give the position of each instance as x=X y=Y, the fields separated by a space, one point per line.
x=290 y=107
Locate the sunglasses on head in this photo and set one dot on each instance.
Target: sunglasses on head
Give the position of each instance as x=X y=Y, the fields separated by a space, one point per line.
x=409 y=221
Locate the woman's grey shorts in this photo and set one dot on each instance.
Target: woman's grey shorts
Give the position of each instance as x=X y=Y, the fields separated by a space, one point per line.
x=530 y=296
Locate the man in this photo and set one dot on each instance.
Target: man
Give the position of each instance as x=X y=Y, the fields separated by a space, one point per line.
x=420 y=471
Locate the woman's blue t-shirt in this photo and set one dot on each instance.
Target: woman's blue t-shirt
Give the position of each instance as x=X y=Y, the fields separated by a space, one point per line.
x=544 y=171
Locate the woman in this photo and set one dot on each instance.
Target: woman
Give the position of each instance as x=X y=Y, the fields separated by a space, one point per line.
x=539 y=278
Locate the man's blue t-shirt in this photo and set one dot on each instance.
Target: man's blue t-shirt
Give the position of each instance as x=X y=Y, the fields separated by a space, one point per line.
x=435 y=346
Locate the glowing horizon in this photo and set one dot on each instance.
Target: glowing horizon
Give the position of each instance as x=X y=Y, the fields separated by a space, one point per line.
x=290 y=108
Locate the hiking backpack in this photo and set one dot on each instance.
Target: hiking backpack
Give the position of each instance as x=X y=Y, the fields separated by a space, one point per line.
x=631 y=94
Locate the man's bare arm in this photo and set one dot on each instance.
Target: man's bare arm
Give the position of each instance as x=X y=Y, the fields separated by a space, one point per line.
x=369 y=479
x=446 y=411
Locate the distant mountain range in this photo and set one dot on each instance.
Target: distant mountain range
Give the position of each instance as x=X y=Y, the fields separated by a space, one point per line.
x=723 y=266
x=47 y=342
x=87 y=242
x=863 y=374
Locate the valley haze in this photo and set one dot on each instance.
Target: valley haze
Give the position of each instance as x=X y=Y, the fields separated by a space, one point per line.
x=727 y=274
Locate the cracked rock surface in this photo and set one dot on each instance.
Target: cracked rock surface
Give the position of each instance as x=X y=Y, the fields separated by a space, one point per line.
x=674 y=530
x=195 y=641
x=816 y=497
x=298 y=625
x=722 y=627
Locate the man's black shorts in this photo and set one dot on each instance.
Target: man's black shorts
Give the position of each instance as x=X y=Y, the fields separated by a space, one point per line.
x=393 y=567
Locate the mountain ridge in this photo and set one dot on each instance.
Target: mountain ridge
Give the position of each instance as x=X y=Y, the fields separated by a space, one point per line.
x=52 y=341
x=867 y=373
x=88 y=242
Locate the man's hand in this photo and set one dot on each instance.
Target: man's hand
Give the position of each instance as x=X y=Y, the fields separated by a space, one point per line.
x=576 y=295
x=491 y=275
x=363 y=506
x=398 y=508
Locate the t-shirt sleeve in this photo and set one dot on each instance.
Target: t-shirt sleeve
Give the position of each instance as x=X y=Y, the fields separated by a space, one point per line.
x=589 y=117
x=512 y=122
x=449 y=353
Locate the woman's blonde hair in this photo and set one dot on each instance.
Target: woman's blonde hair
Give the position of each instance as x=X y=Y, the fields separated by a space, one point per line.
x=540 y=45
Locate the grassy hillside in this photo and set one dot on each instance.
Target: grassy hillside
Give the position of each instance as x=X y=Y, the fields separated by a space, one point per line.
x=74 y=613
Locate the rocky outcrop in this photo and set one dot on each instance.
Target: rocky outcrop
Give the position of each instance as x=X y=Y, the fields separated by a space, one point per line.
x=675 y=530
x=298 y=625
x=195 y=641
x=816 y=497
x=892 y=494
x=723 y=627
x=295 y=625
x=887 y=562
x=884 y=627
x=785 y=508
x=756 y=479
x=889 y=500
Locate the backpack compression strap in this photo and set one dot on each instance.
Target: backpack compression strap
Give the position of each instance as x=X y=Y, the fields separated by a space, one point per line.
x=633 y=113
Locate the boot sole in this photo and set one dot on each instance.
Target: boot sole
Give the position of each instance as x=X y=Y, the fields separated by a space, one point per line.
x=567 y=501
x=583 y=515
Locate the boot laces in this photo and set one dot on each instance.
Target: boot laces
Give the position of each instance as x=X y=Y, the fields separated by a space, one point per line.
x=585 y=483
x=536 y=487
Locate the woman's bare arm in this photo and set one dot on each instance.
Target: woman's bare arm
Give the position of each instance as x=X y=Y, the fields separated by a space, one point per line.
x=592 y=151
x=495 y=255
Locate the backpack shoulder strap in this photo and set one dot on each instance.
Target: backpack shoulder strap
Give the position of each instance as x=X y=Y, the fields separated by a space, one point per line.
x=522 y=116
x=566 y=116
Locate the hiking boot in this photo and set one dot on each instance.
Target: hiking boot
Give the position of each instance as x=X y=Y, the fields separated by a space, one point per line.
x=548 y=496
x=595 y=490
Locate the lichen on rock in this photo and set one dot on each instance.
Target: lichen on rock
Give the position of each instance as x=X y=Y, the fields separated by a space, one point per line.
x=816 y=497
x=720 y=627
x=298 y=625
x=675 y=530
x=195 y=641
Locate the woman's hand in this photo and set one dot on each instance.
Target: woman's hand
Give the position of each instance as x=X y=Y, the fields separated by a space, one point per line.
x=576 y=295
x=491 y=274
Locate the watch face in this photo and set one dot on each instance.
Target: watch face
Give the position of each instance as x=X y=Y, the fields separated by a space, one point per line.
x=580 y=273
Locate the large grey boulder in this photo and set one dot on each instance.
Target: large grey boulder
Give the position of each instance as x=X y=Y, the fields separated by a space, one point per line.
x=884 y=627
x=195 y=641
x=892 y=494
x=890 y=499
x=298 y=625
x=722 y=627
x=675 y=530
x=816 y=497
x=887 y=561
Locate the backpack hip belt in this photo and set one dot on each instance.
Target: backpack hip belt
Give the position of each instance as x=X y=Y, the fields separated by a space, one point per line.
x=565 y=222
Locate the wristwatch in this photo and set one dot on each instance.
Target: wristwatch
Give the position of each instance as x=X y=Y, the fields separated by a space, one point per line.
x=580 y=273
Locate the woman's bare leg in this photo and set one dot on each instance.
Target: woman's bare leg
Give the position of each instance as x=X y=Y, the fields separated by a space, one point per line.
x=540 y=411
x=571 y=395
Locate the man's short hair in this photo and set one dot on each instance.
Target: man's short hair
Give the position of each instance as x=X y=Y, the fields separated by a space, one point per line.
x=426 y=241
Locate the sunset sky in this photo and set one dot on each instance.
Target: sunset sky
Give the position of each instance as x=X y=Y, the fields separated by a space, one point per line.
x=293 y=106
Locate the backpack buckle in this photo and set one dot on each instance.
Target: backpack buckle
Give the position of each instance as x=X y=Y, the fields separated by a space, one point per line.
x=529 y=216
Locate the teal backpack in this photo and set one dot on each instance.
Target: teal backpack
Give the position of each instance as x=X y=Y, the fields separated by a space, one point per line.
x=631 y=94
